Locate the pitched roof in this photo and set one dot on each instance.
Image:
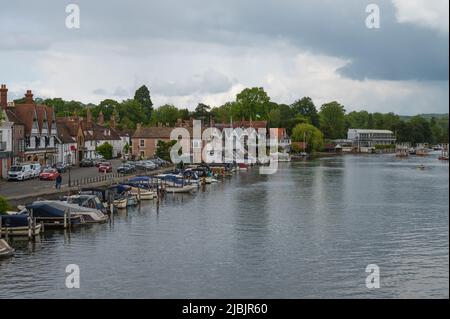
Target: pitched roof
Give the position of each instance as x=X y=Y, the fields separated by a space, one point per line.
x=64 y=132
x=25 y=114
x=153 y=132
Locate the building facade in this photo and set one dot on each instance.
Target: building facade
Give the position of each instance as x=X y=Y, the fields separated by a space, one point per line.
x=365 y=140
x=39 y=129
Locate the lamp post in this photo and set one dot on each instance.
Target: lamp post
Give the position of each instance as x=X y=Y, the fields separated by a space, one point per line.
x=69 y=168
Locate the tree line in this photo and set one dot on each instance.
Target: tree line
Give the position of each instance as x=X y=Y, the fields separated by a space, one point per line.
x=331 y=119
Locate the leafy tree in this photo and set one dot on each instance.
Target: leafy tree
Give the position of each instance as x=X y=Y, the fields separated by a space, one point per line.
x=130 y=112
x=305 y=107
x=202 y=112
x=252 y=103
x=332 y=120
x=107 y=107
x=165 y=114
x=163 y=149
x=4 y=206
x=142 y=95
x=106 y=150
x=309 y=133
x=275 y=118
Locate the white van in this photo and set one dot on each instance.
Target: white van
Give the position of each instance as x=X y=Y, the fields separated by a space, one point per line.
x=36 y=168
x=20 y=172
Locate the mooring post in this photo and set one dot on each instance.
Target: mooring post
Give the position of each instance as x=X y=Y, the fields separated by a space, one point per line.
x=1 y=227
x=65 y=219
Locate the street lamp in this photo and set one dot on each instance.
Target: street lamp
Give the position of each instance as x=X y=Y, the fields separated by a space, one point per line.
x=69 y=167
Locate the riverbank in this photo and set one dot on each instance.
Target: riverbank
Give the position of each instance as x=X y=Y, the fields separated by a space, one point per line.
x=65 y=189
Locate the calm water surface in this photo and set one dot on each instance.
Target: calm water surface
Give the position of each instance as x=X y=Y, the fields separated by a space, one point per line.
x=308 y=231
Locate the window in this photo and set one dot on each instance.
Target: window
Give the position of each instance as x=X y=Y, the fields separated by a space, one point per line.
x=142 y=154
x=141 y=143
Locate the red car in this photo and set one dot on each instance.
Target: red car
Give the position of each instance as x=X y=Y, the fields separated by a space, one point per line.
x=105 y=167
x=49 y=174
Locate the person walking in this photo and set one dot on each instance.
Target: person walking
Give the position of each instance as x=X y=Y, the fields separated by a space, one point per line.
x=58 y=181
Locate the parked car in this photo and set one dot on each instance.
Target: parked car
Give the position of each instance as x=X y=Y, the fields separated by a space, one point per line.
x=105 y=167
x=86 y=163
x=36 y=168
x=61 y=167
x=145 y=165
x=20 y=172
x=49 y=174
x=126 y=169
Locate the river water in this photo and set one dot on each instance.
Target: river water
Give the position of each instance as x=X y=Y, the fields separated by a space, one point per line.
x=307 y=231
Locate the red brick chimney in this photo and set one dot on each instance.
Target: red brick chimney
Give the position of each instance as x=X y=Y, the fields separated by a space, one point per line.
x=29 y=97
x=3 y=96
x=112 y=121
x=101 y=119
x=89 y=116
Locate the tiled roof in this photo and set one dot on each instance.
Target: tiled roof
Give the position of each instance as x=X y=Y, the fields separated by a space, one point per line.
x=64 y=132
x=25 y=113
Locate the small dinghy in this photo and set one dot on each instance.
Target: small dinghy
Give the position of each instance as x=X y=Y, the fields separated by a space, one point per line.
x=5 y=249
x=17 y=225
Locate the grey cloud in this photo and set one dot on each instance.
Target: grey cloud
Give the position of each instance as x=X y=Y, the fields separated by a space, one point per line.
x=118 y=92
x=209 y=82
x=394 y=52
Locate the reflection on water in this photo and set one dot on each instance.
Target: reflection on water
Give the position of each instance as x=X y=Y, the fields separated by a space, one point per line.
x=308 y=231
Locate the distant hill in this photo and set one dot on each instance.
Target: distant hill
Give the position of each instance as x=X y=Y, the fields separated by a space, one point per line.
x=427 y=116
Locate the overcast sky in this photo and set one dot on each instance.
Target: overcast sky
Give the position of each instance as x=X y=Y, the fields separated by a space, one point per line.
x=191 y=51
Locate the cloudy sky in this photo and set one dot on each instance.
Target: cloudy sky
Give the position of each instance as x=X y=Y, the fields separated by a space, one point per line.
x=190 y=51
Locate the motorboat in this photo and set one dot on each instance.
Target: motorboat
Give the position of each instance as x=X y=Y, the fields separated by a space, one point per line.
x=5 y=249
x=174 y=184
x=87 y=214
x=15 y=224
x=89 y=201
x=51 y=215
x=122 y=196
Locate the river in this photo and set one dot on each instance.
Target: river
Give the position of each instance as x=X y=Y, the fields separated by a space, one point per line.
x=308 y=231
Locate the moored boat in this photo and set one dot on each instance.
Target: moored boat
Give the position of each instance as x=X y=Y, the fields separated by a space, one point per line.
x=18 y=225
x=88 y=214
x=5 y=249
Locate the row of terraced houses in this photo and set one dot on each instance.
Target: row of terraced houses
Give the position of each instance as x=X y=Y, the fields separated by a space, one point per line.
x=31 y=132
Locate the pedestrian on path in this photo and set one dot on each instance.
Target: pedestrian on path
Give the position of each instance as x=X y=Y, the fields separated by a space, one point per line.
x=58 y=181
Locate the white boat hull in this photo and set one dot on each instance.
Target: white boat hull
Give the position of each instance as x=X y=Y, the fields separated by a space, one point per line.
x=120 y=203
x=184 y=189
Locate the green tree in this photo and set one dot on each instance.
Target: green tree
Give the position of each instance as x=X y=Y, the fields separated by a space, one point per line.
x=4 y=206
x=252 y=103
x=107 y=107
x=202 y=112
x=165 y=114
x=332 y=120
x=106 y=150
x=142 y=95
x=130 y=112
x=305 y=107
x=309 y=133
x=163 y=149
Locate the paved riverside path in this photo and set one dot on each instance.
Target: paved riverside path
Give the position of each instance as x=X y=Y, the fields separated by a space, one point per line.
x=21 y=192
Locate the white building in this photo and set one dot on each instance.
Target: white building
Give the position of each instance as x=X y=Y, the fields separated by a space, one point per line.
x=365 y=140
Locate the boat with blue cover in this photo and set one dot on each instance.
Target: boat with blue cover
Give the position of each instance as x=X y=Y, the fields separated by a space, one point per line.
x=18 y=225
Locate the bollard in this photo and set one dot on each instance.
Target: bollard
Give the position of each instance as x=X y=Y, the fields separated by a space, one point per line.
x=1 y=227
